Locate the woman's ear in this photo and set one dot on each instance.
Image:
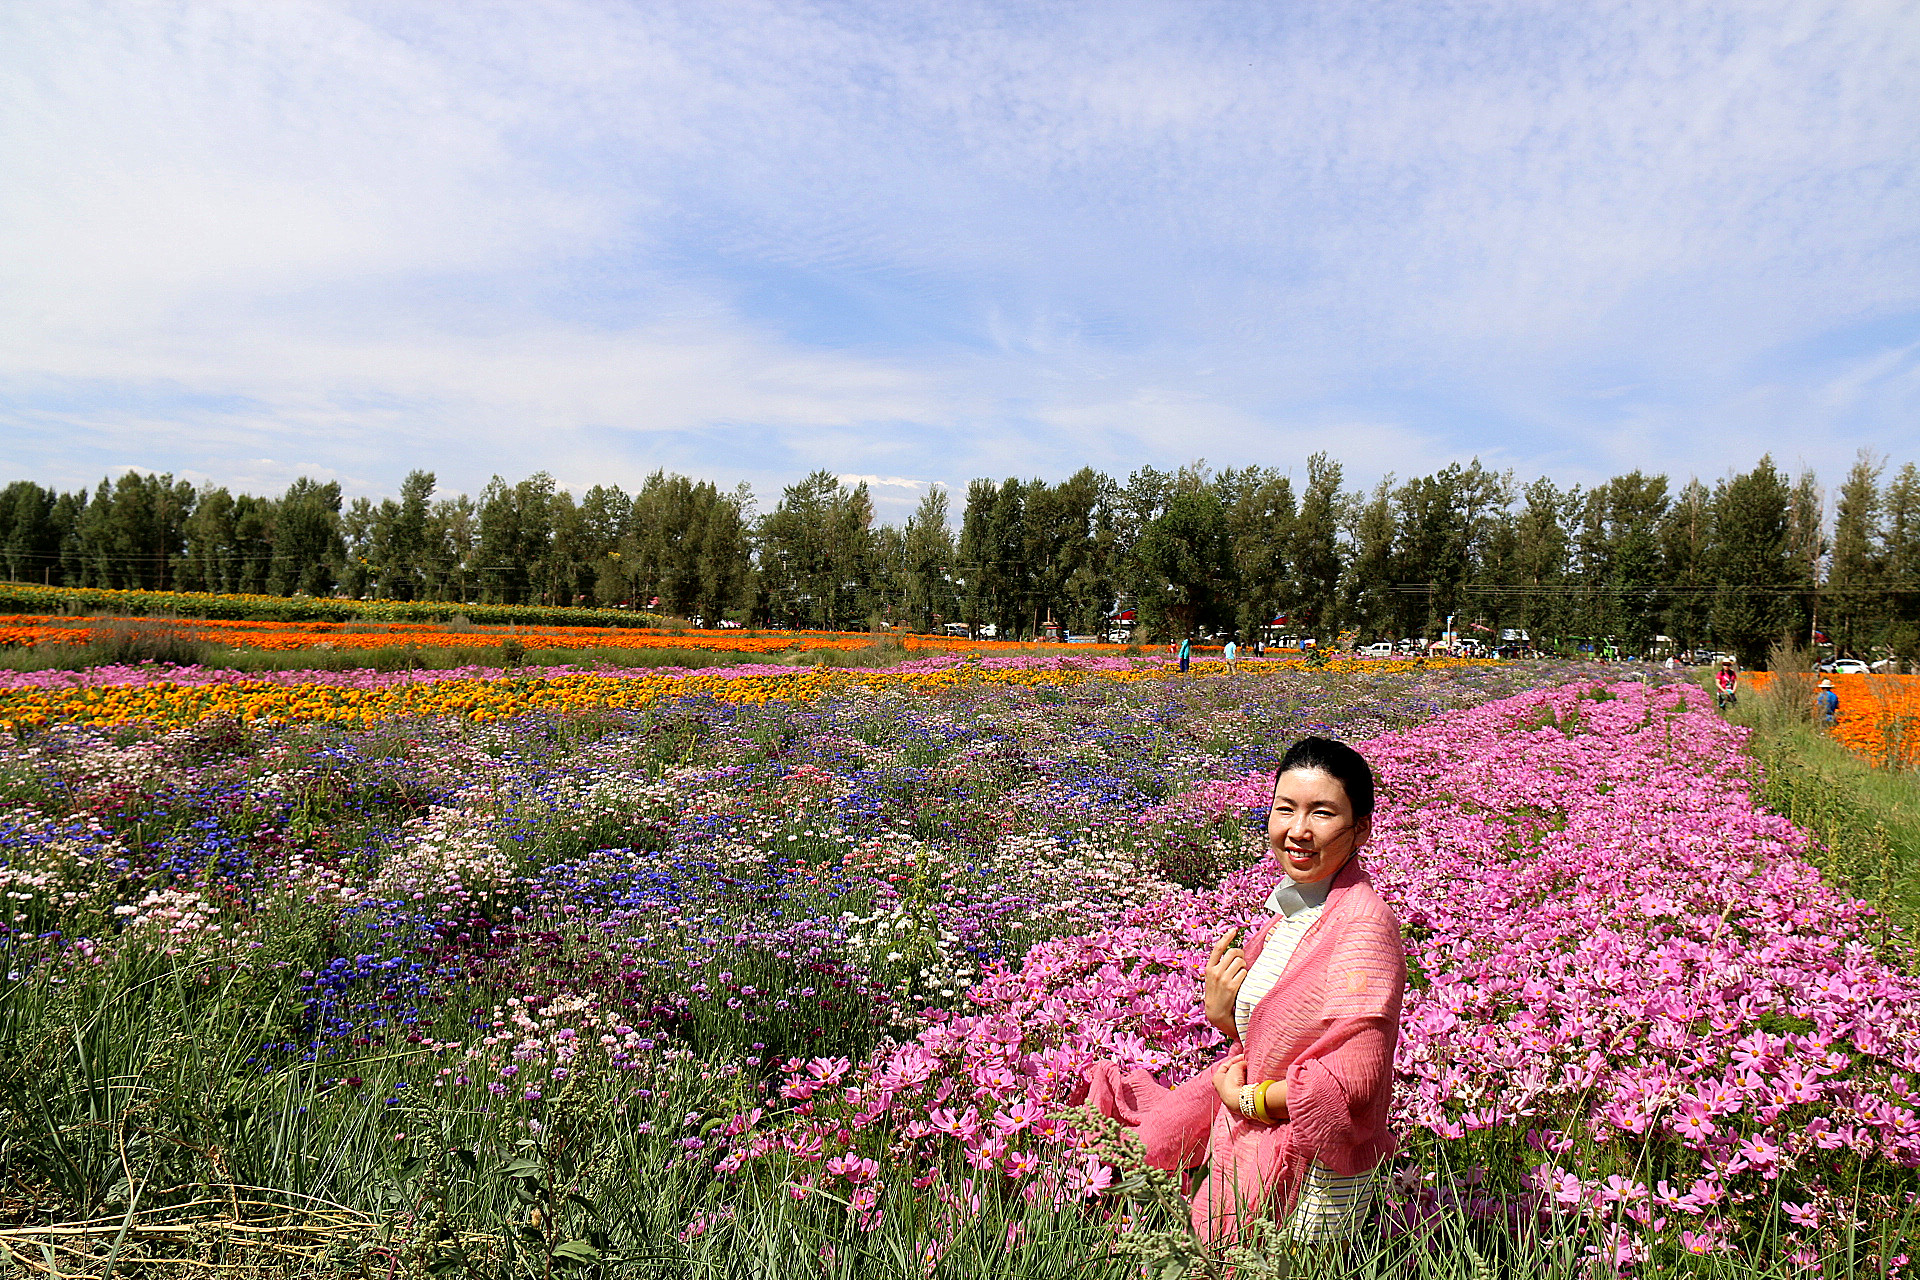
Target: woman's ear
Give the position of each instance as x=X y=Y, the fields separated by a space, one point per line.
x=1362 y=832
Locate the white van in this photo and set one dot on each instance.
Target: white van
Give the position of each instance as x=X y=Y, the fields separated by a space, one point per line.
x=1378 y=649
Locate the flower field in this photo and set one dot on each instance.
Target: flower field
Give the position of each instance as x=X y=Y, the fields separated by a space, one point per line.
x=174 y=696
x=545 y=976
x=47 y=629
x=29 y=599
x=1879 y=714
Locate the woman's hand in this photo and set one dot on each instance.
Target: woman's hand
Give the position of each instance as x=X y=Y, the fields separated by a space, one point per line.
x=1226 y=970
x=1229 y=1077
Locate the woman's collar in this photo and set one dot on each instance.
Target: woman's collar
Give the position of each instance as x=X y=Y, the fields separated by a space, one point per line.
x=1290 y=899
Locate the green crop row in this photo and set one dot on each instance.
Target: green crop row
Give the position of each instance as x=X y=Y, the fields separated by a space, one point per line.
x=23 y=597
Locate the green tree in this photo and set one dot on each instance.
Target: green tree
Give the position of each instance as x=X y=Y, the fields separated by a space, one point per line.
x=1855 y=598
x=29 y=538
x=453 y=541
x=1620 y=563
x=815 y=552
x=1686 y=548
x=1902 y=561
x=514 y=534
x=1443 y=522
x=398 y=546
x=134 y=531
x=307 y=546
x=927 y=554
x=362 y=539
x=997 y=577
x=1541 y=548
x=1753 y=603
x=1187 y=581
x=1369 y=604
x=1260 y=516
x=1313 y=551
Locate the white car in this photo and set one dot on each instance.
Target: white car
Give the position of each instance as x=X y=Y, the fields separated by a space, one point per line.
x=1379 y=649
x=1847 y=667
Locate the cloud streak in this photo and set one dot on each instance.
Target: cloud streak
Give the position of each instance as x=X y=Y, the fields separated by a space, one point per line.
x=748 y=240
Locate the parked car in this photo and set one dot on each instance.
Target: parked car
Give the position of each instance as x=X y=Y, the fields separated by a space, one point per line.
x=1846 y=667
x=1378 y=649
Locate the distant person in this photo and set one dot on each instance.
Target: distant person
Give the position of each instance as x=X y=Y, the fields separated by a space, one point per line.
x=1259 y=647
x=1186 y=653
x=1829 y=703
x=1727 y=687
x=1232 y=655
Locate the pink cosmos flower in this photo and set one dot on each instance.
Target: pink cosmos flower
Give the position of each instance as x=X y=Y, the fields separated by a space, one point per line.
x=964 y=1126
x=853 y=1167
x=1013 y=1119
x=1692 y=1123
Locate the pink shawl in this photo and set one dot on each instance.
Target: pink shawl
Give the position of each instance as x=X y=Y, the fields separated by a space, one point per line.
x=1328 y=1028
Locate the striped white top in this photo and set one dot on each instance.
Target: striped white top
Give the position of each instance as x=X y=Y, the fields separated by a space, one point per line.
x=1331 y=1207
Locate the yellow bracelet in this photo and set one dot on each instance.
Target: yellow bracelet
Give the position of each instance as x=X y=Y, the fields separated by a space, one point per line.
x=1260 y=1102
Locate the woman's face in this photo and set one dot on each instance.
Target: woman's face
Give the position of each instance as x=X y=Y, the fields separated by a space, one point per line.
x=1311 y=827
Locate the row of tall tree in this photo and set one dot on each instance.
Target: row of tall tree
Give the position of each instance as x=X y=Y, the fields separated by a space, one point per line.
x=1737 y=564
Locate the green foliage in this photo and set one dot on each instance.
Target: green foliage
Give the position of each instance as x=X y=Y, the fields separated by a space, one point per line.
x=29 y=598
x=1732 y=565
x=1865 y=822
x=1751 y=609
x=816 y=557
x=1187 y=577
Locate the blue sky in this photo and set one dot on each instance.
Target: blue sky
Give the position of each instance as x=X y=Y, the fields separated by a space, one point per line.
x=927 y=242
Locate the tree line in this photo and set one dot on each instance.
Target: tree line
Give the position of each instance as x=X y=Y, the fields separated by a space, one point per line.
x=1738 y=564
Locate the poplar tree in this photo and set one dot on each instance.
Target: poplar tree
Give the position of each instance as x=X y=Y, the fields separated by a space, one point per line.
x=307 y=547
x=1314 y=553
x=1753 y=604
x=1260 y=516
x=1541 y=546
x=1370 y=602
x=1855 y=583
x=1187 y=580
x=29 y=536
x=1902 y=562
x=1686 y=547
x=929 y=598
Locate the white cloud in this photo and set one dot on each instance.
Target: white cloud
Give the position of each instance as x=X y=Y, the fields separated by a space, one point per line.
x=754 y=239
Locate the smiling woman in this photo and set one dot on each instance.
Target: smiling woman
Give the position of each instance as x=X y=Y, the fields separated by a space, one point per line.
x=1293 y=1118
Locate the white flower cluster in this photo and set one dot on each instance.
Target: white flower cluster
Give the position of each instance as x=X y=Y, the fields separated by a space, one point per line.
x=448 y=850
x=911 y=940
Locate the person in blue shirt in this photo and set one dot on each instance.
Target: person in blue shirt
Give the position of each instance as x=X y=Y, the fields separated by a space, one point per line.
x=1829 y=703
x=1232 y=655
x=1186 y=654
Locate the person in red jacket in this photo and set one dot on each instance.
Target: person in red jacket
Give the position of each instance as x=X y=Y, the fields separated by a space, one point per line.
x=1292 y=1120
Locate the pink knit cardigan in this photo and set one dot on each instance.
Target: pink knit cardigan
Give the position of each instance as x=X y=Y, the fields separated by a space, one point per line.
x=1328 y=1028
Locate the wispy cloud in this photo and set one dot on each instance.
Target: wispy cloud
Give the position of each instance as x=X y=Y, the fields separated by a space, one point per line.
x=753 y=239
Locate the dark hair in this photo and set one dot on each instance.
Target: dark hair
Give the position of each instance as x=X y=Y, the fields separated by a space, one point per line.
x=1337 y=760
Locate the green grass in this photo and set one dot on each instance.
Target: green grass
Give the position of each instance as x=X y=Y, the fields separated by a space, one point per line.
x=1865 y=820
x=132 y=1110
